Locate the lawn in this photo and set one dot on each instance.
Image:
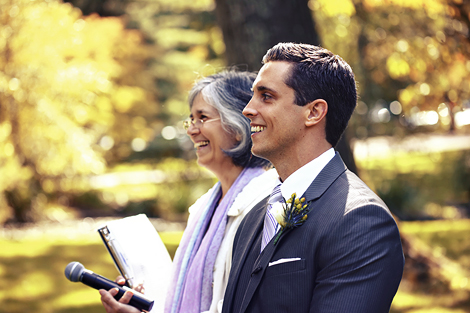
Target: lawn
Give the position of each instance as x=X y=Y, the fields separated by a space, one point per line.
x=447 y=241
x=32 y=270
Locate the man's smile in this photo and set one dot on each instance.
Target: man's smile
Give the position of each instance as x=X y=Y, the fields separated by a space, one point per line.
x=257 y=129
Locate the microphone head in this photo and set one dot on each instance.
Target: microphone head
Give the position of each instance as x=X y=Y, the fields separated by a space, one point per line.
x=73 y=271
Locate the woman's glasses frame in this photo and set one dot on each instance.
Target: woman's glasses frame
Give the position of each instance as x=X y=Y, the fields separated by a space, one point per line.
x=198 y=123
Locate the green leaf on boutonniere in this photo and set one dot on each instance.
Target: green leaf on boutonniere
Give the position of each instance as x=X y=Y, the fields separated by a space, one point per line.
x=290 y=214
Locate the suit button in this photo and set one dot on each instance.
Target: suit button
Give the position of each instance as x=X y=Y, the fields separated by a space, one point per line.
x=256 y=270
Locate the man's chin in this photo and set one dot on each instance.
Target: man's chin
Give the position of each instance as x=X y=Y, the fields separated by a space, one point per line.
x=258 y=152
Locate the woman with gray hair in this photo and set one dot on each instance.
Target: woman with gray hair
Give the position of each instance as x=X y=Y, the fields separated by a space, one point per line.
x=221 y=137
x=228 y=93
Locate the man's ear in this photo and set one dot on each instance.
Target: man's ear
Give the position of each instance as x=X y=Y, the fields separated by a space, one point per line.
x=316 y=112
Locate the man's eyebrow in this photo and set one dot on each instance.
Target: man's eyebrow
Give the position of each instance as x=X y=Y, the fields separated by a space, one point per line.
x=264 y=88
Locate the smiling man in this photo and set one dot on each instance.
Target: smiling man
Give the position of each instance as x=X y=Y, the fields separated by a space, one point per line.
x=344 y=252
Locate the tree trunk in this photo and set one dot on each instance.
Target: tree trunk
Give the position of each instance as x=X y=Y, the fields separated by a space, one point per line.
x=250 y=28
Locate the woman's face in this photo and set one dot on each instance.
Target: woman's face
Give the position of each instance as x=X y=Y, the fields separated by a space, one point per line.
x=210 y=138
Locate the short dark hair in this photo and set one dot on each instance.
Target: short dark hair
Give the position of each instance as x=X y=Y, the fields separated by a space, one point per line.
x=229 y=92
x=317 y=73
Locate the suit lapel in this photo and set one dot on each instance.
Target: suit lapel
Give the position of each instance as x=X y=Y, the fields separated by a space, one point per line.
x=324 y=179
x=257 y=272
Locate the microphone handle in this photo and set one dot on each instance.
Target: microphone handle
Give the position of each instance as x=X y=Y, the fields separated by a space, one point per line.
x=98 y=282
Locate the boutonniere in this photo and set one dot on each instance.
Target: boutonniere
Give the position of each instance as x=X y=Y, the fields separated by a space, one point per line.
x=290 y=213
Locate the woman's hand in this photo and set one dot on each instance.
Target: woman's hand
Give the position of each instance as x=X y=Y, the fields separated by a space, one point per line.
x=121 y=281
x=112 y=306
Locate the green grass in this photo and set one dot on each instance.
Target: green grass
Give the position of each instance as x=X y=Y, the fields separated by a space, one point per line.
x=412 y=183
x=32 y=274
x=446 y=237
x=447 y=241
x=32 y=271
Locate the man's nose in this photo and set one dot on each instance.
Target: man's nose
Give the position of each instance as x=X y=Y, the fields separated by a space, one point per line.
x=249 y=110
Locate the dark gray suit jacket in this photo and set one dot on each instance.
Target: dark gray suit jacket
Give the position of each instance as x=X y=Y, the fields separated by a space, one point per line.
x=346 y=258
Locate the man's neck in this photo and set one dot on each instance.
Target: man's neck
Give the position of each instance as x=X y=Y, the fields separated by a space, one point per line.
x=286 y=166
x=301 y=179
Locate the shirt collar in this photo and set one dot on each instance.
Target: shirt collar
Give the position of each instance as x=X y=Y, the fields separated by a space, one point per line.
x=301 y=179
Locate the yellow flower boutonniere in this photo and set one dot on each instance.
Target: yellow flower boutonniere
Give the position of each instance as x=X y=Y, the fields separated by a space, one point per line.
x=290 y=214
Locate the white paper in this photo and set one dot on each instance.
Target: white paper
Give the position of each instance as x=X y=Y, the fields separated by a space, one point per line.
x=148 y=261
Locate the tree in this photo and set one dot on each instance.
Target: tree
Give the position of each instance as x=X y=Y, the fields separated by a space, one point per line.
x=413 y=54
x=68 y=85
x=101 y=7
x=185 y=44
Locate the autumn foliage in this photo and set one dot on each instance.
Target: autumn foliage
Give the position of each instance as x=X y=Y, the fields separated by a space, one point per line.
x=70 y=89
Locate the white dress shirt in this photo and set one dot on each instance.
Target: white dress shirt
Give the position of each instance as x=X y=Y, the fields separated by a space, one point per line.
x=301 y=179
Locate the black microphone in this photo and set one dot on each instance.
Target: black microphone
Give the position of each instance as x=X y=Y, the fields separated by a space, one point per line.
x=75 y=272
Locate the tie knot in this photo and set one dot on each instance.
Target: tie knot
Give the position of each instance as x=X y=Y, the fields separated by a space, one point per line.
x=276 y=195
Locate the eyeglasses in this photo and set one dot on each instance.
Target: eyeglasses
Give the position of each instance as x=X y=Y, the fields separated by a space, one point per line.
x=198 y=123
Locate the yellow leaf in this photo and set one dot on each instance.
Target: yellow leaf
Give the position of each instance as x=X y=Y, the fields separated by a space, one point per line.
x=397 y=67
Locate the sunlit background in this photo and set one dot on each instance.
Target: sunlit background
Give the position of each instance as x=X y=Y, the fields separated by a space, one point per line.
x=92 y=99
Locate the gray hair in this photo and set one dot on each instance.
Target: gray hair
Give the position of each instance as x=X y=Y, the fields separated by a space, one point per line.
x=229 y=92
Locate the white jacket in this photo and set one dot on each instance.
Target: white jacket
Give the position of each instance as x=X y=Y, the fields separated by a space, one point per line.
x=256 y=190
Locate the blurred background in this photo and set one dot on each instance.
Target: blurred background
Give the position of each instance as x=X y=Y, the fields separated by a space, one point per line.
x=93 y=94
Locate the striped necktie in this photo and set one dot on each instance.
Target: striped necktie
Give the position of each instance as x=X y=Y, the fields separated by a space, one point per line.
x=270 y=223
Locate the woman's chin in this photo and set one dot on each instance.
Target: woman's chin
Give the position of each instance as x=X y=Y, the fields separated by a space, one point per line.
x=200 y=163
x=202 y=160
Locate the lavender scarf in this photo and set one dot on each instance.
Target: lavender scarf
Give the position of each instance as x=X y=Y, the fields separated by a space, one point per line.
x=190 y=290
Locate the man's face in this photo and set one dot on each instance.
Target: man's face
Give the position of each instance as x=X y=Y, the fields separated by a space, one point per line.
x=275 y=118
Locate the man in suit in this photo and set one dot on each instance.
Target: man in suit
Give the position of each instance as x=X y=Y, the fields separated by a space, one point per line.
x=346 y=257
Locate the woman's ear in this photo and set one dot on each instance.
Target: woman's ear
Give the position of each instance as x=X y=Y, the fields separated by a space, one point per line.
x=316 y=112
